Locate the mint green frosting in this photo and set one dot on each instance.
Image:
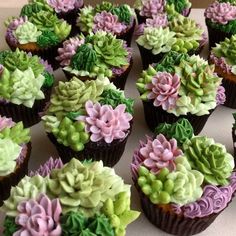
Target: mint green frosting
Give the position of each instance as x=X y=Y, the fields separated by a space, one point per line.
x=85 y=58
x=85 y=20
x=10 y=227
x=50 y=123
x=71 y=134
x=104 y=6
x=158 y=40
x=180 y=5
x=27 y=188
x=181 y=186
x=9 y=152
x=210 y=158
x=47 y=39
x=85 y=187
x=123 y=12
x=27 y=33
x=62 y=29
x=5 y=84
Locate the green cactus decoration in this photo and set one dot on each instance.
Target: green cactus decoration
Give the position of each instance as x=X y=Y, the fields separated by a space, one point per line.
x=123 y=13
x=47 y=39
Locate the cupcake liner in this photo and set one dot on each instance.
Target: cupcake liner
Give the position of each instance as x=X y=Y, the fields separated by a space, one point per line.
x=230 y=90
x=156 y=115
x=29 y=116
x=119 y=81
x=110 y=154
x=6 y=182
x=234 y=141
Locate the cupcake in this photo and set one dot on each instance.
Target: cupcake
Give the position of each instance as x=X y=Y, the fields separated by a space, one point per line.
x=25 y=86
x=75 y=199
x=97 y=55
x=184 y=181
x=40 y=32
x=64 y=9
x=180 y=86
x=223 y=56
x=150 y=8
x=116 y=19
x=89 y=120
x=167 y=32
x=15 y=151
x=220 y=20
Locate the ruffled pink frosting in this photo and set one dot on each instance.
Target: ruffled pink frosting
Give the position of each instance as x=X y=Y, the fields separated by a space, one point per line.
x=45 y=169
x=68 y=50
x=108 y=22
x=220 y=96
x=160 y=153
x=152 y=7
x=104 y=122
x=221 y=62
x=164 y=90
x=221 y=12
x=39 y=217
x=62 y=5
x=6 y=122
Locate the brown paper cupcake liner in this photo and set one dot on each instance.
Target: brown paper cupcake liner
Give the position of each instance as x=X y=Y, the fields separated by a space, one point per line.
x=230 y=91
x=29 y=116
x=156 y=115
x=14 y=178
x=110 y=154
x=118 y=81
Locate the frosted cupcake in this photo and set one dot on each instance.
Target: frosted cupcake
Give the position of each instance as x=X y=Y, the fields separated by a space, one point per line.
x=184 y=181
x=74 y=199
x=164 y=33
x=150 y=8
x=224 y=58
x=97 y=55
x=220 y=20
x=112 y=18
x=40 y=33
x=180 y=86
x=15 y=151
x=25 y=86
x=89 y=120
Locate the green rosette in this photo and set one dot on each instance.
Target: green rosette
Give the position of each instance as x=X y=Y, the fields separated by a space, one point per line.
x=47 y=39
x=123 y=12
x=34 y=7
x=104 y=6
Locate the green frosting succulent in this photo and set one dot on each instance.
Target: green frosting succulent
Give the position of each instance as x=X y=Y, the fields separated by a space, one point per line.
x=158 y=40
x=6 y=84
x=10 y=227
x=27 y=188
x=85 y=187
x=232 y=2
x=123 y=12
x=49 y=80
x=183 y=46
x=104 y=6
x=85 y=58
x=3 y=55
x=62 y=29
x=181 y=130
x=109 y=49
x=71 y=134
x=181 y=186
x=34 y=7
x=115 y=97
x=85 y=20
x=47 y=39
x=210 y=158
x=50 y=123
x=180 y=5
x=230 y=27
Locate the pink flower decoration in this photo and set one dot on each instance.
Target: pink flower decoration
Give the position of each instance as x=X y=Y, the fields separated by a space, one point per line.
x=221 y=12
x=152 y=7
x=160 y=20
x=220 y=96
x=106 y=123
x=160 y=153
x=62 y=5
x=39 y=217
x=164 y=90
x=107 y=22
x=69 y=50
x=6 y=122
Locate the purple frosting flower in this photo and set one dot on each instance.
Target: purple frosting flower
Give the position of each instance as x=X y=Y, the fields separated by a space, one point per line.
x=206 y=206
x=6 y=122
x=160 y=20
x=22 y=155
x=152 y=7
x=139 y=29
x=108 y=22
x=62 y=5
x=176 y=208
x=221 y=12
x=79 y=3
x=233 y=181
x=221 y=62
x=192 y=210
x=46 y=65
x=220 y=96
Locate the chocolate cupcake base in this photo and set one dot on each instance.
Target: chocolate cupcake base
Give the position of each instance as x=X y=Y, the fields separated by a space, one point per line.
x=110 y=154
x=156 y=115
x=6 y=182
x=230 y=90
x=29 y=116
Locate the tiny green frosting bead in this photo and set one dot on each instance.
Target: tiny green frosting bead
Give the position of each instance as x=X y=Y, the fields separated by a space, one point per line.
x=146 y=189
x=123 y=13
x=47 y=39
x=142 y=181
x=162 y=174
x=143 y=171
x=10 y=227
x=169 y=186
x=157 y=185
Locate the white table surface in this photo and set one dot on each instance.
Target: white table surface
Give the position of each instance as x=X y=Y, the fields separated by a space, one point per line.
x=218 y=126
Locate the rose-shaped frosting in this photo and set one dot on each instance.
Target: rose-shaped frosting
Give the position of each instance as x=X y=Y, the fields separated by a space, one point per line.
x=221 y=13
x=39 y=217
x=220 y=96
x=104 y=122
x=6 y=122
x=68 y=50
x=62 y=5
x=152 y=7
x=107 y=22
x=164 y=90
x=160 y=153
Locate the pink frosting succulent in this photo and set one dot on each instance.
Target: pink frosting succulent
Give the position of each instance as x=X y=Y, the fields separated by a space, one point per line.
x=160 y=153
x=62 y=5
x=39 y=217
x=17 y=21
x=221 y=12
x=69 y=50
x=107 y=22
x=221 y=62
x=164 y=90
x=79 y=3
x=6 y=122
x=160 y=20
x=152 y=7
x=104 y=122
x=220 y=96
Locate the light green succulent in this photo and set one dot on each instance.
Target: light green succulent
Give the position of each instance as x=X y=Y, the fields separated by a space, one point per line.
x=85 y=19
